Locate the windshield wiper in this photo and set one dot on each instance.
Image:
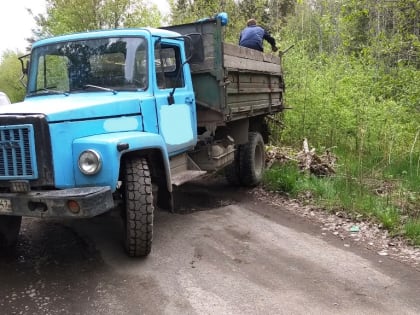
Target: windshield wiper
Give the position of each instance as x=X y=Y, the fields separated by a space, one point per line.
x=100 y=88
x=48 y=91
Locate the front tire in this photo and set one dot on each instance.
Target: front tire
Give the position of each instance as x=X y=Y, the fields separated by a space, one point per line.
x=138 y=208
x=252 y=160
x=9 y=231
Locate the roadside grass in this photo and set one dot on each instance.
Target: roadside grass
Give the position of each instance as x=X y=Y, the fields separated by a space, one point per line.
x=339 y=103
x=412 y=230
x=389 y=195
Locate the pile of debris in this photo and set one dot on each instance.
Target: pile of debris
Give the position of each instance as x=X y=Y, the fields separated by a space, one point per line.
x=307 y=160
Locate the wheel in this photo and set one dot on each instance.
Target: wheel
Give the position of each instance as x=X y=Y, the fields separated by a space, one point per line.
x=9 y=230
x=138 y=208
x=232 y=170
x=252 y=160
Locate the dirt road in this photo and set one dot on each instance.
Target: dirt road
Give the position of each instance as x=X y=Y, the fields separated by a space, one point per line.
x=223 y=253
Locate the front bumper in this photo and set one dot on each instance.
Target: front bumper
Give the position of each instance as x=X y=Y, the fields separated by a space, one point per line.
x=92 y=201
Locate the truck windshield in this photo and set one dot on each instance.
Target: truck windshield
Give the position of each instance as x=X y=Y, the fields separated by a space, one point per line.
x=105 y=64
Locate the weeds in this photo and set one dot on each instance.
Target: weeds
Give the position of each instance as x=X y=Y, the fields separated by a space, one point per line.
x=372 y=198
x=412 y=230
x=340 y=102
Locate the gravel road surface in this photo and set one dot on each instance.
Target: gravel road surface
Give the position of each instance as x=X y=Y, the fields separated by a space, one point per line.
x=224 y=252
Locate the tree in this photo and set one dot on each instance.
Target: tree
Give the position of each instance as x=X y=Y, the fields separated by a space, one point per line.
x=70 y=16
x=10 y=72
x=386 y=30
x=266 y=12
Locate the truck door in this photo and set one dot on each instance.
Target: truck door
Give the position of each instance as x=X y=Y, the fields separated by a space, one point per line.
x=177 y=121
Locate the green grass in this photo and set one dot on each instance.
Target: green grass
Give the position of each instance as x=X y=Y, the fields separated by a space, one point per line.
x=283 y=179
x=338 y=102
x=412 y=230
x=405 y=170
x=356 y=192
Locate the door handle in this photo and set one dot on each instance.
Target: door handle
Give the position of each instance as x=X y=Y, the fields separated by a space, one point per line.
x=189 y=100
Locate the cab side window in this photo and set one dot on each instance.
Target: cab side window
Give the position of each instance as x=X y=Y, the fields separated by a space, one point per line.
x=169 y=72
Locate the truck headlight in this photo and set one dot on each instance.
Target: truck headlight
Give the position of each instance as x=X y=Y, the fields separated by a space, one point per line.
x=90 y=162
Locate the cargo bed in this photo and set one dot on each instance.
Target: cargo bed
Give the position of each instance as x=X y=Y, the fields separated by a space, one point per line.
x=232 y=82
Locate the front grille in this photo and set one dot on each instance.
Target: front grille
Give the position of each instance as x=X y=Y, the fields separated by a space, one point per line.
x=17 y=152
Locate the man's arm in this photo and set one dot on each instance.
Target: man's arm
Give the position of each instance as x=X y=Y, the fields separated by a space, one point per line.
x=270 y=40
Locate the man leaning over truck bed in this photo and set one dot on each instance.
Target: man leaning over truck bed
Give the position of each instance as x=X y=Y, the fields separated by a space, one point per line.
x=252 y=36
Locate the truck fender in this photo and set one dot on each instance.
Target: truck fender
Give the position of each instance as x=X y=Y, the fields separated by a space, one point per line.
x=145 y=142
x=112 y=147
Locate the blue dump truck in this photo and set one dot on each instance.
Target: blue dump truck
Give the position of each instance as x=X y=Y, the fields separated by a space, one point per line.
x=113 y=119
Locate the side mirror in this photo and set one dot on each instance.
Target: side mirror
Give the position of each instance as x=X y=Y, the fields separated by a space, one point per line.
x=24 y=63
x=25 y=67
x=194 y=48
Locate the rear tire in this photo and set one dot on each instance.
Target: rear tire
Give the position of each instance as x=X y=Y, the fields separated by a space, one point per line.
x=252 y=160
x=9 y=231
x=138 y=208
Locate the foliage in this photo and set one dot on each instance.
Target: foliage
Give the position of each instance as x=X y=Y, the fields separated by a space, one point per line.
x=268 y=13
x=71 y=16
x=387 y=31
x=345 y=102
x=184 y=11
x=412 y=230
x=341 y=192
x=282 y=179
x=369 y=116
x=352 y=83
x=10 y=70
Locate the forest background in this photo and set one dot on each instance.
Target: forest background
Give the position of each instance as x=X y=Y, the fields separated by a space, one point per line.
x=352 y=83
